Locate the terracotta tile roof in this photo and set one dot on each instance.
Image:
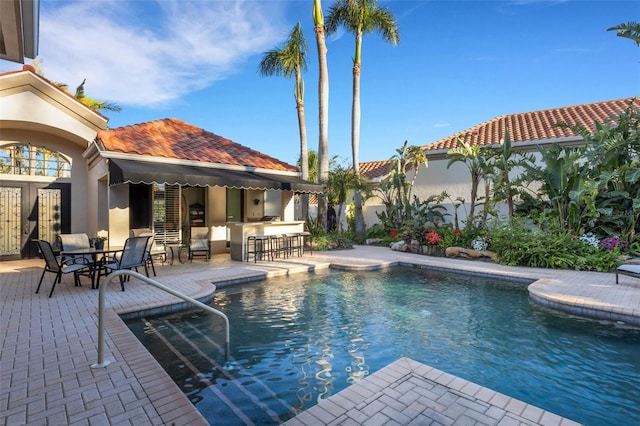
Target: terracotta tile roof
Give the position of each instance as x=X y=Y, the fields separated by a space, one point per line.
x=173 y=138
x=536 y=125
x=375 y=169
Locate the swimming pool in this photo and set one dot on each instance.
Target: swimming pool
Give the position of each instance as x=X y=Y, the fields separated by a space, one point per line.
x=299 y=339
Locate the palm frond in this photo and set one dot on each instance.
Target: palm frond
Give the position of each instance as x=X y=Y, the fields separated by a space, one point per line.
x=630 y=30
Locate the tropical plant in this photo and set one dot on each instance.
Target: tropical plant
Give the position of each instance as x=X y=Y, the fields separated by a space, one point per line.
x=79 y=94
x=341 y=182
x=503 y=160
x=290 y=61
x=406 y=158
x=612 y=174
x=323 y=106
x=471 y=156
x=562 y=194
x=94 y=104
x=360 y=17
x=630 y=30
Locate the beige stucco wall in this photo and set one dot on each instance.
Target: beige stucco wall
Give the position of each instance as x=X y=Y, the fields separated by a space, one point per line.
x=118 y=214
x=216 y=218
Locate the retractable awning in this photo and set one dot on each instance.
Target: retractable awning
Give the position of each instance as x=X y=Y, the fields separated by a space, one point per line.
x=132 y=171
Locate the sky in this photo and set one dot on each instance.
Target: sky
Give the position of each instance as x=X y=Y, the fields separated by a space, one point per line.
x=457 y=64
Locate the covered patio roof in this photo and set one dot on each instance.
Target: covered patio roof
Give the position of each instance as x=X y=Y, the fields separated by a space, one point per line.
x=133 y=171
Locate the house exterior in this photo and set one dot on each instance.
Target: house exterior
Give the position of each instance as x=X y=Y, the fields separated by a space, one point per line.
x=63 y=171
x=169 y=176
x=44 y=132
x=527 y=131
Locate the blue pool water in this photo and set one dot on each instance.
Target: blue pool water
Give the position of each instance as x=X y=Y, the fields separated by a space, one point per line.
x=297 y=340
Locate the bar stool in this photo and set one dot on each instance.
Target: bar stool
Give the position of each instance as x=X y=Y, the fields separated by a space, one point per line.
x=293 y=244
x=303 y=242
x=259 y=246
x=279 y=246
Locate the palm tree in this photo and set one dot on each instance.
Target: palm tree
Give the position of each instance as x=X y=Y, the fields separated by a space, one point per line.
x=94 y=104
x=343 y=180
x=471 y=155
x=323 y=107
x=630 y=30
x=288 y=61
x=407 y=158
x=360 y=17
x=79 y=95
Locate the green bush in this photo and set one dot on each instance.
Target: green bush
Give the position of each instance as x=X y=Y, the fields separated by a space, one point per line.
x=333 y=241
x=549 y=247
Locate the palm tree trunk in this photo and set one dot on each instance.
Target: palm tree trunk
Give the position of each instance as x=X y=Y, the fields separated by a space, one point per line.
x=355 y=135
x=304 y=153
x=323 y=109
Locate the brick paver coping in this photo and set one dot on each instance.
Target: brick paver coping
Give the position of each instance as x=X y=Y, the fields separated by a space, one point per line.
x=407 y=392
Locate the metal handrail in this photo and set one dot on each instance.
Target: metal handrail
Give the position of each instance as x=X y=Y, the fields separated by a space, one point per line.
x=101 y=362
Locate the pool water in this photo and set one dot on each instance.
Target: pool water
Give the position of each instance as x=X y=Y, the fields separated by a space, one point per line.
x=295 y=341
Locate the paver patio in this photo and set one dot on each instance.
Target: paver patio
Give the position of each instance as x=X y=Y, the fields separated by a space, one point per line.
x=48 y=346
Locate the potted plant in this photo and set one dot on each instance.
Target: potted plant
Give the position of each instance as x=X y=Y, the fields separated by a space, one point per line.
x=98 y=242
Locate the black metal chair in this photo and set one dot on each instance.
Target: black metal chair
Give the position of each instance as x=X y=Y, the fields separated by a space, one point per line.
x=56 y=265
x=133 y=256
x=630 y=270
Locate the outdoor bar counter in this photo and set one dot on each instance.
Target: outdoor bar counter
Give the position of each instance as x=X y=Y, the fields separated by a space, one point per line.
x=241 y=230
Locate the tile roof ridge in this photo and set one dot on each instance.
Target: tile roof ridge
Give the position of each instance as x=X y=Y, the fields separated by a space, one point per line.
x=514 y=119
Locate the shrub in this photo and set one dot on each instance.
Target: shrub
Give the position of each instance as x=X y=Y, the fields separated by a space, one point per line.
x=549 y=247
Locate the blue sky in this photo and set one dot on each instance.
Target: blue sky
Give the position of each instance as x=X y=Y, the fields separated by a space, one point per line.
x=458 y=64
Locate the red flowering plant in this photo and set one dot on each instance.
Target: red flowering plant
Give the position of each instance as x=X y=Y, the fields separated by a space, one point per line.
x=432 y=238
x=394 y=233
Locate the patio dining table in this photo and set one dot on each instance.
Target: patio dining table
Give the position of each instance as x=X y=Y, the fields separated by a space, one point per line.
x=97 y=255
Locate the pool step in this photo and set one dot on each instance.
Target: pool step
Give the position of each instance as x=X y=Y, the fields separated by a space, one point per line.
x=203 y=356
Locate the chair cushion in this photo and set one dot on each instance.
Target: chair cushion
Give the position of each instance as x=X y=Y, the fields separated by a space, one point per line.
x=199 y=245
x=74 y=267
x=629 y=269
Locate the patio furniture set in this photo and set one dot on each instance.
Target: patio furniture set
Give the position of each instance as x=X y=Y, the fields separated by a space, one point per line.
x=78 y=256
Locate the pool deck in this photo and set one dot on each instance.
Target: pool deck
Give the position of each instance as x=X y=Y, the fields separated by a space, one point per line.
x=49 y=344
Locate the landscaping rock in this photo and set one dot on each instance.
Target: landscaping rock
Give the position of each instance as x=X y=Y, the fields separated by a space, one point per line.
x=398 y=246
x=470 y=253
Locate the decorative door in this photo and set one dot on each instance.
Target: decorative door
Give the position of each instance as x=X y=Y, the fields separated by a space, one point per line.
x=10 y=222
x=30 y=211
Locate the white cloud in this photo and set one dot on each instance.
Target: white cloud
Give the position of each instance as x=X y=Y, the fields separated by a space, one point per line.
x=148 y=53
x=440 y=125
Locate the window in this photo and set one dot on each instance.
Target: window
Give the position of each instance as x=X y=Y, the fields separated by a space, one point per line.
x=167 y=219
x=28 y=160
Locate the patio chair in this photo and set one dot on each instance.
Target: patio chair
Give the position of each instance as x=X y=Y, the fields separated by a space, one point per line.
x=140 y=232
x=133 y=256
x=628 y=269
x=56 y=265
x=198 y=242
x=75 y=242
x=154 y=250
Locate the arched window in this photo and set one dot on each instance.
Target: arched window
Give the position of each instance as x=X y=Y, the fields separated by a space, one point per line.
x=28 y=160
